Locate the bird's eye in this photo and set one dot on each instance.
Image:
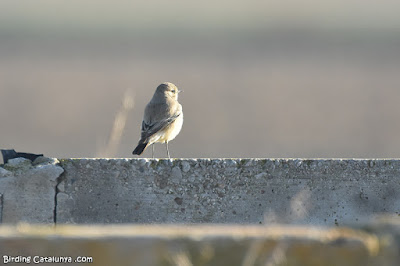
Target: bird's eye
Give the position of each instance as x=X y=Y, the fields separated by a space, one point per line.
x=173 y=91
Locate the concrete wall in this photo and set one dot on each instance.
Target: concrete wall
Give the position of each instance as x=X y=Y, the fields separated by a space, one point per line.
x=244 y=191
x=255 y=191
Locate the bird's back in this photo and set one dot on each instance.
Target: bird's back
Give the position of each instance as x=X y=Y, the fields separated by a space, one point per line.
x=156 y=111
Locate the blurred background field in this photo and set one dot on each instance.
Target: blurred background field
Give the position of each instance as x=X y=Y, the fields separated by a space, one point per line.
x=260 y=78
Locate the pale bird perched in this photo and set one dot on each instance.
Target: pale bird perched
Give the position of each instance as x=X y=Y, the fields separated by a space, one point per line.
x=163 y=118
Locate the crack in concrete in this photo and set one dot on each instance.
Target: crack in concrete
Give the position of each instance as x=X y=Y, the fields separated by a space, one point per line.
x=59 y=179
x=1 y=208
x=55 y=204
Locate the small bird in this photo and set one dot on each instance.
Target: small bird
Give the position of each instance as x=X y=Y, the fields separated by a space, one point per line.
x=162 y=119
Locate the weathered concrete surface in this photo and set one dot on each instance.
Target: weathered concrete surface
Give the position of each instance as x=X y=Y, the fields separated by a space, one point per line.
x=256 y=191
x=318 y=192
x=205 y=245
x=27 y=191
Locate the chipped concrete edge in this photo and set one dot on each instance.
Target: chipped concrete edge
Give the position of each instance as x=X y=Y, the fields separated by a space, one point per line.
x=27 y=190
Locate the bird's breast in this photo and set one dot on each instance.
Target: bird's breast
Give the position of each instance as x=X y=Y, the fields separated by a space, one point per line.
x=171 y=131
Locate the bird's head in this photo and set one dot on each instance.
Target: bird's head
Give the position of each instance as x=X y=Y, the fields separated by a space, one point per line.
x=168 y=90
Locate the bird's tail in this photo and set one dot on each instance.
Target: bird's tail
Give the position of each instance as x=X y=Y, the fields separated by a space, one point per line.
x=140 y=148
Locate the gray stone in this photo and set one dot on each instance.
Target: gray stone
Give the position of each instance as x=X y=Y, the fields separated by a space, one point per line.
x=45 y=160
x=28 y=192
x=19 y=161
x=17 y=164
x=4 y=172
x=185 y=166
x=176 y=174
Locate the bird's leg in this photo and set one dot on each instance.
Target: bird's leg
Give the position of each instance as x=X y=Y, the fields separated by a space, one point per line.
x=152 y=150
x=167 y=150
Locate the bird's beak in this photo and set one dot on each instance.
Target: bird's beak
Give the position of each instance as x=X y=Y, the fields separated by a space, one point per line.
x=179 y=91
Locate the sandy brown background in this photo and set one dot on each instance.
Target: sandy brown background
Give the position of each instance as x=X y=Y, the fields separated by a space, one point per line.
x=260 y=78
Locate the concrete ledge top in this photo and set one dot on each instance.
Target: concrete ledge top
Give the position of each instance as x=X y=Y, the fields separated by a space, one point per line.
x=312 y=163
x=232 y=159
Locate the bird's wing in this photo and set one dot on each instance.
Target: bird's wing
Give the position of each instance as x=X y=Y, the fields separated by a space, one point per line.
x=149 y=129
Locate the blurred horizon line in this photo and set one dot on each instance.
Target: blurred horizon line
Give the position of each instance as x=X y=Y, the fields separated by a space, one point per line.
x=201 y=16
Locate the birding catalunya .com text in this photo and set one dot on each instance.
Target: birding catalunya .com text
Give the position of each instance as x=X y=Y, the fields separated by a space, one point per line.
x=45 y=259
